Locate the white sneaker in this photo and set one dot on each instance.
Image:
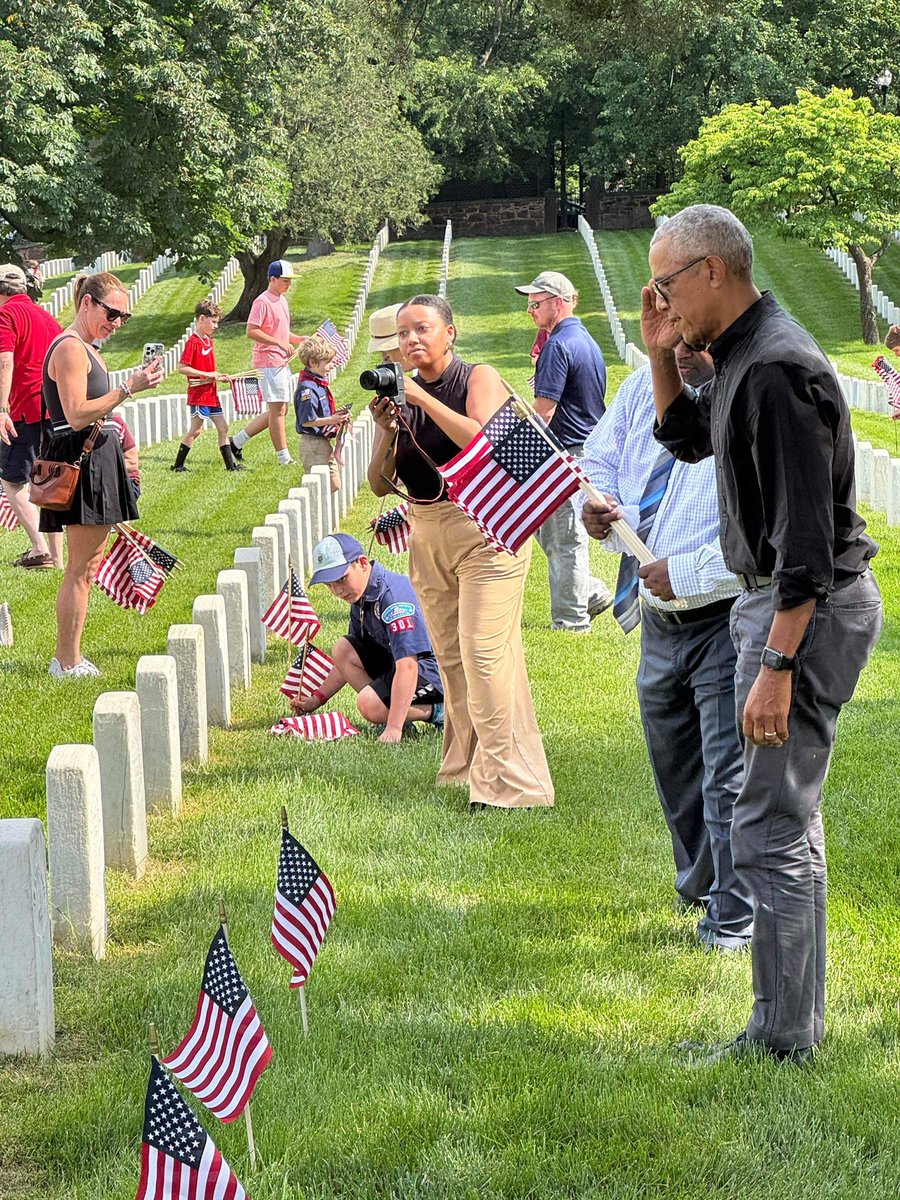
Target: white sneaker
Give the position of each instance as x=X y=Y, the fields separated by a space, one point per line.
x=81 y=670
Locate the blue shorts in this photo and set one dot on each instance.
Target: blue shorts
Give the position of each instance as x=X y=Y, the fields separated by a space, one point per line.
x=205 y=410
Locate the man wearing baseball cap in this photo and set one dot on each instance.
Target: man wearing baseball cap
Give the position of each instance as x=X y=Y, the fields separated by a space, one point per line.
x=569 y=390
x=26 y=331
x=386 y=656
x=269 y=328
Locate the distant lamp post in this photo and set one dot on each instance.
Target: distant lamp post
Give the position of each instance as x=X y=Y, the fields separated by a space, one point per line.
x=883 y=83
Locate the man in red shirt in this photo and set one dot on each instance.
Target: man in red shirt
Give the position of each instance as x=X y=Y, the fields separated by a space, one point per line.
x=26 y=332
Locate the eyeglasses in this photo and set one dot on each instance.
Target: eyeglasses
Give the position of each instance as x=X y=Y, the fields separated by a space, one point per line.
x=114 y=314
x=657 y=284
x=534 y=304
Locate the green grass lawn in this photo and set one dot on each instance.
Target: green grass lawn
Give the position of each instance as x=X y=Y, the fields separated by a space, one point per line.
x=887 y=272
x=126 y=272
x=53 y=282
x=494 y=1010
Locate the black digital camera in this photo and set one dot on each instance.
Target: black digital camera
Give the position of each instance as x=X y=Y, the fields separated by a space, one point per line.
x=385 y=380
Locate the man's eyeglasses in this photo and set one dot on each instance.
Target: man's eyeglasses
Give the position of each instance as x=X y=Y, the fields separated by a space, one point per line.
x=657 y=284
x=535 y=304
x=114 y=314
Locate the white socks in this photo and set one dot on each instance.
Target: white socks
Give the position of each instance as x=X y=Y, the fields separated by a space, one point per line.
x=241 y=439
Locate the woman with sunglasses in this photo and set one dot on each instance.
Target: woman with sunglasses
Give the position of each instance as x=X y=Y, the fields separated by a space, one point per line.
x=77 y=397
x=471 y=596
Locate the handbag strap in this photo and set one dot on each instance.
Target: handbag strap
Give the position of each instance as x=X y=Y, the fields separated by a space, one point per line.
x=45 y=416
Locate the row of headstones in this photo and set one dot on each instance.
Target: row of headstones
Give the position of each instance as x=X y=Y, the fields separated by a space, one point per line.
x=362 y=296
x=445 y=259
x=58 y=299
x=615 y=324
x=884 y=304
x=154 y=419
x=148 y=275
x=877 y=473
x=98 y=795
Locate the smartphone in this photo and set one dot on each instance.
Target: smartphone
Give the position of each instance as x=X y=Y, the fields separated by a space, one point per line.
x=152 y=350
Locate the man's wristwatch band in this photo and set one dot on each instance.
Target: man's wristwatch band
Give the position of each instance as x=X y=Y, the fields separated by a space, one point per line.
x=776 y=661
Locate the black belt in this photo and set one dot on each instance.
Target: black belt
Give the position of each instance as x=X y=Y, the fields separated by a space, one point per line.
x=755 y=583
x=687 y=615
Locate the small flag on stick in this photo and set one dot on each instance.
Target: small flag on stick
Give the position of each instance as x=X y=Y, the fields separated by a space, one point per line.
x=226 y=1049
x=392 y=529
x=133 y=572
x=892 y=378
x=178 y=1158
x=290 y=615
x=8 y=519
x=308 y=671
x=247 y=395
x=316 y=727
x=328 y=331
x=304 y=906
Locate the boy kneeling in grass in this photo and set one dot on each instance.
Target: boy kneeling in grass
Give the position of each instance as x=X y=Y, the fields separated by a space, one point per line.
x=198 y=363
x=318 y=423
x=386 y=656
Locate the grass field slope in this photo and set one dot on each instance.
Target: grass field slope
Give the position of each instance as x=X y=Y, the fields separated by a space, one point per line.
x=494 y=1011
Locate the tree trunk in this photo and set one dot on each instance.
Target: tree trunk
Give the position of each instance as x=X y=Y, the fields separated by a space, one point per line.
x=254 y=268
x=867 y=314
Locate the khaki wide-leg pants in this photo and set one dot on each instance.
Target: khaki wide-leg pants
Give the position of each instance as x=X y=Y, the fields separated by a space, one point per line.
x=472 y=600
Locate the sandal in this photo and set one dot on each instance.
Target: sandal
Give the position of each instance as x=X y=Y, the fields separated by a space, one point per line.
x=35 y=562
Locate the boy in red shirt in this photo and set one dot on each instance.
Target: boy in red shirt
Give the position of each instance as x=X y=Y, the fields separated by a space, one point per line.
x=198 y=363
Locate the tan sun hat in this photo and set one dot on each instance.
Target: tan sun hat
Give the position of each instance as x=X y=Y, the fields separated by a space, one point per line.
x=10 y=273
x=383 y=329
x=554 y=283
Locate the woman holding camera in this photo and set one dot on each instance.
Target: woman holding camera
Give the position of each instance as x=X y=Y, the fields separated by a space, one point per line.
x=471 y=595
x=79 y=401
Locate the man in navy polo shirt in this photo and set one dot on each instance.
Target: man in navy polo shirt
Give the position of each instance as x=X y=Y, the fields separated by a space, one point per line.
x=569 y=389
x=386 y=656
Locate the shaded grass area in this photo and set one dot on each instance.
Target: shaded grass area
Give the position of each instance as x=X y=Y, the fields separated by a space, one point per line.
x=803 y=281
x=494 y=1010
x=887 y=272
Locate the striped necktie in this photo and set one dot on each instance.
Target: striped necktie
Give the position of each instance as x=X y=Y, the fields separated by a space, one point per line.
x=626 y=607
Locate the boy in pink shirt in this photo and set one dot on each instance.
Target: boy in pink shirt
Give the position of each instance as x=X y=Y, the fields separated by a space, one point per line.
x=269 y=328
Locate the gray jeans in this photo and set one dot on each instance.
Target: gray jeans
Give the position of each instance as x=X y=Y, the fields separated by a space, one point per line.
x=574 y=592
x=685 y=686
x=776 y=835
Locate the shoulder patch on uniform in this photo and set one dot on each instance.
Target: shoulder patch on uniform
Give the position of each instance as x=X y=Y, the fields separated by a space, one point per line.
x=400 y=608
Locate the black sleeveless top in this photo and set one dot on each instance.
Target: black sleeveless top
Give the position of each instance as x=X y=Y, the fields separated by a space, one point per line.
x=419 y=478
x=97 y=385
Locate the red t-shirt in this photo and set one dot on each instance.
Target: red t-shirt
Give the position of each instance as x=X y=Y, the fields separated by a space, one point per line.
x=26 y=331
x=198 y=353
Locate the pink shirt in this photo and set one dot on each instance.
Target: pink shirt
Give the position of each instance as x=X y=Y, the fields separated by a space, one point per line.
x=271 y=314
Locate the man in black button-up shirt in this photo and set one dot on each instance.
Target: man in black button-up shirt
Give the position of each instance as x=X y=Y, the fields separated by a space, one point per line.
x=778 y=426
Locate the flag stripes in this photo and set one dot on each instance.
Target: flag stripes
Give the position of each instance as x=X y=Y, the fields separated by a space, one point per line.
x=290 y=615
x=133 y=572
x=304 y=906
x=392 y=529
x=8 y=519
x=316 y=727
x=247 y=395
x=308 y=672
x=328 y=332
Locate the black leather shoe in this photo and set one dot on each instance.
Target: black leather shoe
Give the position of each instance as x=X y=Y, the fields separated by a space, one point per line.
x=743 y=1047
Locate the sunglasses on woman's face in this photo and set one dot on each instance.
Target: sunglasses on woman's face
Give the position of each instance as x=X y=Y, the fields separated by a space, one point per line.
x=114 y=314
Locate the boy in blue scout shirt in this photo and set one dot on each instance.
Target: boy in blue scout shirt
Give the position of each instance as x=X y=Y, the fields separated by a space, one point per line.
x=386 y=656
x=317 y=419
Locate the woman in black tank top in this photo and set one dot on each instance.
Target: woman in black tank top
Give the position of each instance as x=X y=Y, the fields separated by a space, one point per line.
x=470 y=595
x=77 y=396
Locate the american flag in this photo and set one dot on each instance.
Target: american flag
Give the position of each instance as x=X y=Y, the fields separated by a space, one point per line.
x=290 y=615
x=315 y=727
x=304 y=906
x=247 y=396
x=178 y=1159
x=392 y=529
x=309 y=671
x=126 y=576
x=509 y=480
x=330 y=334
x=892 y=378
x=226 y=1049
x=8 y=519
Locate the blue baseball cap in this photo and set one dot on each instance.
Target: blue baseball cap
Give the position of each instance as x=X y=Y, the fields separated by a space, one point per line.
x=333 y=555
x=281 y=269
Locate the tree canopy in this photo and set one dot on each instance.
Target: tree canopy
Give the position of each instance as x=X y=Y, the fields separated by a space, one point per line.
x=825 y=169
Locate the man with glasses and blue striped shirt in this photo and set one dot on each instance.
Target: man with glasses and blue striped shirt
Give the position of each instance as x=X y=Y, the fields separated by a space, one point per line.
x=685 y=680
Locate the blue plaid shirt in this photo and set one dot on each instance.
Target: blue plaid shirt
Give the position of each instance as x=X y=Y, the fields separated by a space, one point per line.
x=618 y=457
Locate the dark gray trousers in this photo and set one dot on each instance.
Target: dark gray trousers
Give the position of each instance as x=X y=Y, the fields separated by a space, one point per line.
x=776 y=835
x=685 y=687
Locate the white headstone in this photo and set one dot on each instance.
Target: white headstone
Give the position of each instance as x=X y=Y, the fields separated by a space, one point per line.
x=330 y=502
x=247 y=559
x=165 y=421
x=209 y=612
x=294 y=513
x=156 y=684
x=186 y=645
x=26 y=979
x=281 y=524
x=117 y=740
x=129 y=413
x=302 y=496
x=145 y=432
x=175 y=404
x=232 y=587
x=893 y=505
x=75 y=837
x=265 y=539
x=879 y=481
x=861 y=452
x=312 y=485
